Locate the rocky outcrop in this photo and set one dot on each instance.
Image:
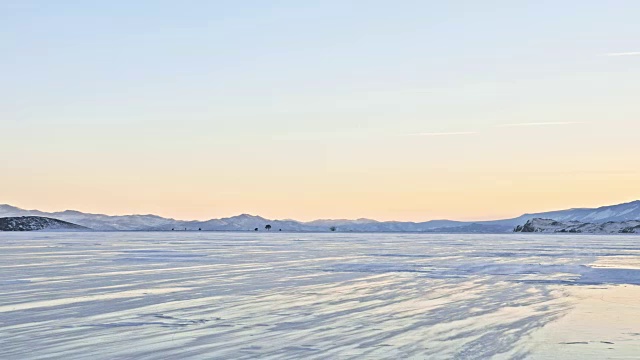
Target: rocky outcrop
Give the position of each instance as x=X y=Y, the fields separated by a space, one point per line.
x=32 y=223
x=552 y=226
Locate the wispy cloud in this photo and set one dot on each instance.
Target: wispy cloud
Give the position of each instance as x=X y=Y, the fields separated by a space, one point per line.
x=444 y=133
x=514 y=125
x=630 y=53
x=540 y=124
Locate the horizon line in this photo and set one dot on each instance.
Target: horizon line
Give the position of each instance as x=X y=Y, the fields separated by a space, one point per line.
x=326 y=219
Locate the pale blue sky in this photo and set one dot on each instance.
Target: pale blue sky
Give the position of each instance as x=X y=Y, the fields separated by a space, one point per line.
x=200 y=108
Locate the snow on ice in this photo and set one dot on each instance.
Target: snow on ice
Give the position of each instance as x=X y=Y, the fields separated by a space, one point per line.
x=203 y=295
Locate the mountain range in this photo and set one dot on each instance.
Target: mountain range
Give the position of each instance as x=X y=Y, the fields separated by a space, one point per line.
x=245 y=222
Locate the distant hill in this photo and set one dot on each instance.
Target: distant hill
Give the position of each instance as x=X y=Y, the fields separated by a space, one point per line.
x=33 y=223
x=242 y=222
x=246 y=222
x=553 y=226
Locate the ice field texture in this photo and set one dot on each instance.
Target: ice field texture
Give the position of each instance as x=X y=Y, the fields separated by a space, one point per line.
x=216 y=295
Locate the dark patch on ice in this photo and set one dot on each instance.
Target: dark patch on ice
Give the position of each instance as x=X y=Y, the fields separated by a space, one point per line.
x=252 y=348
x=543 y=308
x=378 y=268
x=540 y=273
x=575 y=343
x=181 y=322
x=292 y=325
x=170 y=322
x=447 y=276
x=299 y=348
x=124 y=324
x=163 y=316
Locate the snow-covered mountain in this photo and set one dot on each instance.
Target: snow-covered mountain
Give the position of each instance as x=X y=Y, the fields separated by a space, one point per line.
x=617 y=213
x=339 y=222
x=553 y=226
x=33 y=223
x=93 y=221
x=400 y=226
x=245 y=222
x=242 y=222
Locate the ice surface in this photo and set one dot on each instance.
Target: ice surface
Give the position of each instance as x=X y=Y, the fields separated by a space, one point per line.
x=206 y=295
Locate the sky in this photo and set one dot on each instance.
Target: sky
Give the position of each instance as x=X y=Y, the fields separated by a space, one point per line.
x=403 y=110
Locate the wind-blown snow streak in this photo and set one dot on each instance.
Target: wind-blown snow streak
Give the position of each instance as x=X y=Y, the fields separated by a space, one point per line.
x=287 y=296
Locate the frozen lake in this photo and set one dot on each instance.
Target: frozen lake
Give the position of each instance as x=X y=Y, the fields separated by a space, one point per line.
x=208 y=295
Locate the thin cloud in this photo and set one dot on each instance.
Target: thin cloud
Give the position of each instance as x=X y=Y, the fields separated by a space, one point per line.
x=540 y=124
x=515 y=125
x=444 y=133
x=630 y=53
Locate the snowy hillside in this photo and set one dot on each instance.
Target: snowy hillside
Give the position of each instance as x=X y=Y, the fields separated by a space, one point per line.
x=553 y=226
x=617 y=213
x=32 y=223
